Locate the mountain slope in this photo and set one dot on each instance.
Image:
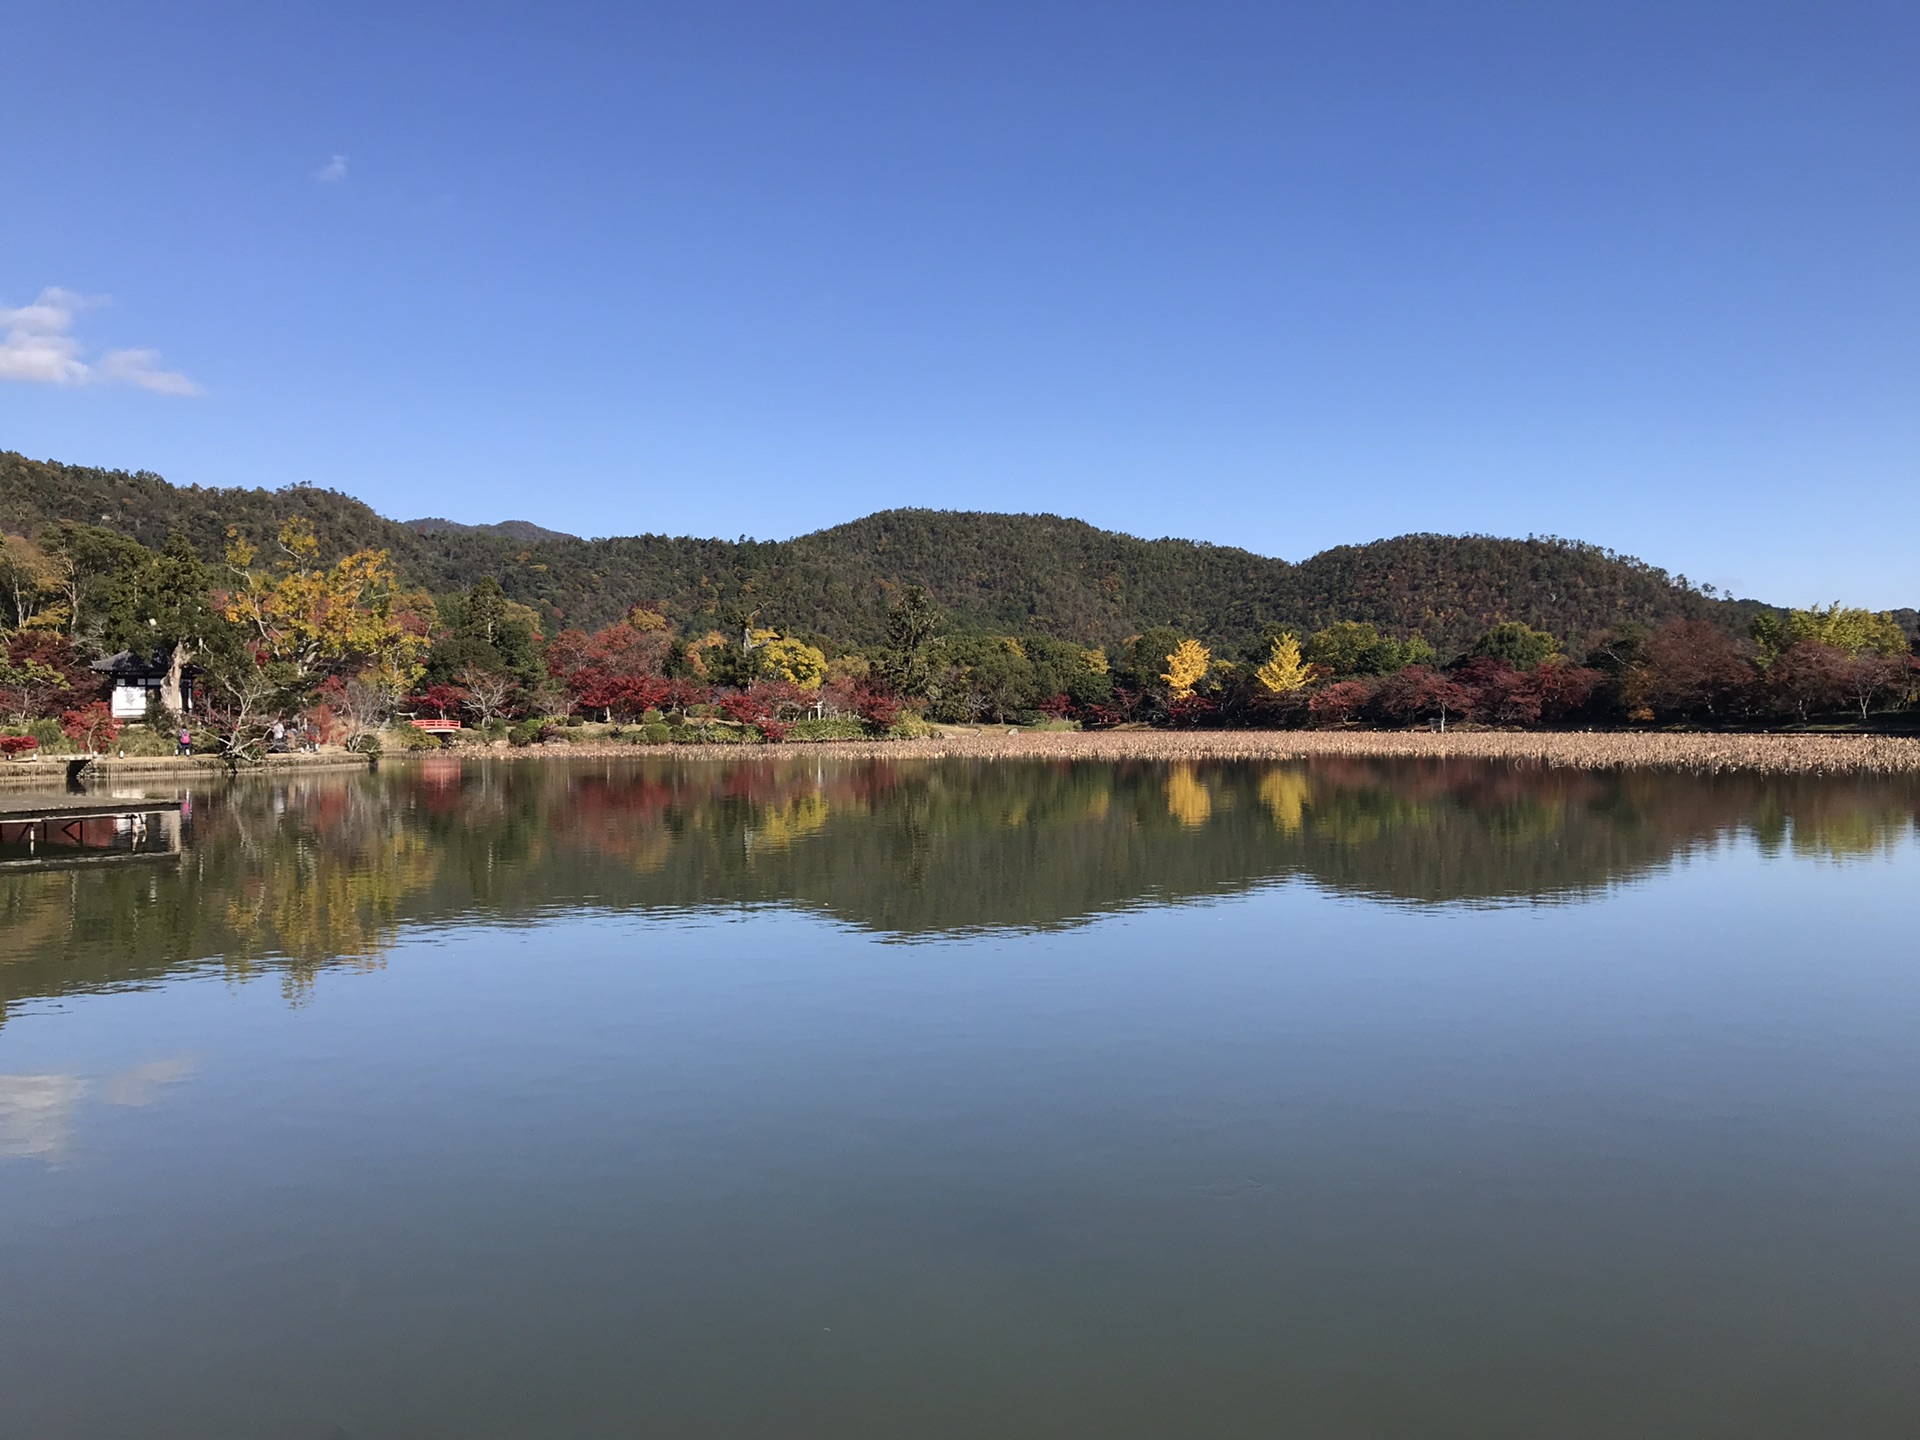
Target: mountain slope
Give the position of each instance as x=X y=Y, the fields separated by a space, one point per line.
x=1008 y=573
x=525 y=531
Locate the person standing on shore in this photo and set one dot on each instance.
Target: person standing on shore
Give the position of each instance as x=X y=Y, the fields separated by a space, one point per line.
x=184 y=744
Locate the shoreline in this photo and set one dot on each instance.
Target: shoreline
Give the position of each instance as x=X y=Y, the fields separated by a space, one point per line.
x=52 y=769
x=1762 y=754
x=1585 y=750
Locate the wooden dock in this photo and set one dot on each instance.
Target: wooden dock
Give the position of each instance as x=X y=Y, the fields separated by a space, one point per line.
x=39 y=832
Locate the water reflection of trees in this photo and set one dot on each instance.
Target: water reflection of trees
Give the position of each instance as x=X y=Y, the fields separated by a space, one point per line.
x=309 y=872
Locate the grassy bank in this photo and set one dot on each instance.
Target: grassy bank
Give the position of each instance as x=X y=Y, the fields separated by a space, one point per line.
x=1766 y=754
x=1759 y=754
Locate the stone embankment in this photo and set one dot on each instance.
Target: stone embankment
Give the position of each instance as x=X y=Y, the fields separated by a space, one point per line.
x=1764 y=754
x=48 y=770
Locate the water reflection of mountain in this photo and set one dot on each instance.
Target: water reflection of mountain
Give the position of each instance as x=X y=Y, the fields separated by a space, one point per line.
x=304 y=872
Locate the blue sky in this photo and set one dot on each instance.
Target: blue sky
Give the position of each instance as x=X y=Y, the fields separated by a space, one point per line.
x=1278 y=276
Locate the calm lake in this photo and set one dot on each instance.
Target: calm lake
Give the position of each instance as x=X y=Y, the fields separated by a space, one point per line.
x=793 y=1098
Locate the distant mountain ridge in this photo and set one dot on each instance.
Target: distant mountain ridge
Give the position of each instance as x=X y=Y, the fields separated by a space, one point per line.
x=522 y=530
x=1013 y=574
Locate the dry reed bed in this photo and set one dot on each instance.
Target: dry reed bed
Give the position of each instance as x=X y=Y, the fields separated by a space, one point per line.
x=1763 y=754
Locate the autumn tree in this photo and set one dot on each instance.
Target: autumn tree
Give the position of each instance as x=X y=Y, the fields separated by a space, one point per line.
x=90 y=726
x=1807 y=677
x=1420 y=692
x=446 y=701
x=1695 y=668
x=619 y=669
x=1564 y=689
x=566 y=653
x=42 y=673
x=316 y=618
x=1340 y=703
x=1187 y=665
x=1285 y=671
x=1868 y=676
x=793 y=661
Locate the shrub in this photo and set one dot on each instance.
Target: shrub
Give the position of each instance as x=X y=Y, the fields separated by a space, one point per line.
x=845 y=728
x=656 y=732
x=141 y=740
x=527 y=732
x=405 y=737
x=15 y=745
x=908 y=727
x=574 y=722
x=772 y=731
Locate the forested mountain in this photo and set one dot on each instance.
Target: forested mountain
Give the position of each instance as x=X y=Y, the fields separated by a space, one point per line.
x=1014 y=574
x=524 y=531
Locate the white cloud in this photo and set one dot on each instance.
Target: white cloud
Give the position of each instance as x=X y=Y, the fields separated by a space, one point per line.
x=142 y=368
x=38 y=347
x=333 y=172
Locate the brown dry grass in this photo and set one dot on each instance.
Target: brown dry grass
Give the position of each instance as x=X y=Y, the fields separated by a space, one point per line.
x=1764 y=754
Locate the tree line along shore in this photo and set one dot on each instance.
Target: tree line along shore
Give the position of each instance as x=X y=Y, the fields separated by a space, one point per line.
x=268 y=646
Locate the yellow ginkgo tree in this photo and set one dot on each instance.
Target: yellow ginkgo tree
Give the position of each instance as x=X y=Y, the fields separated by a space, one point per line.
x=1284 y=672
x=1186 y=667
x=794 y=661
